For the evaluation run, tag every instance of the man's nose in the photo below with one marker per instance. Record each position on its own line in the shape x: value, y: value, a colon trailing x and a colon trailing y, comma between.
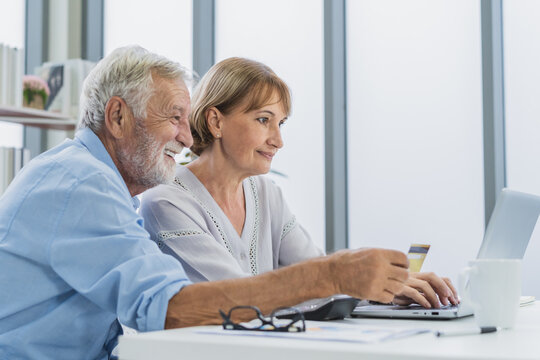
x: 184, y: 133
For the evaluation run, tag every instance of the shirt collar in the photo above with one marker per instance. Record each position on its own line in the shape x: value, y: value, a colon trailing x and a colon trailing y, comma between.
x: 94, y: 145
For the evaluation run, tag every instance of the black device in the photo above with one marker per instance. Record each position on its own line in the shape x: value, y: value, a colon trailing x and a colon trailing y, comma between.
x: 330, y: 308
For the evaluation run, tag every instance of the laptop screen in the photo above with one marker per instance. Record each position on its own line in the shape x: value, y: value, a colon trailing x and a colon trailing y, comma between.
x: 511, y: 225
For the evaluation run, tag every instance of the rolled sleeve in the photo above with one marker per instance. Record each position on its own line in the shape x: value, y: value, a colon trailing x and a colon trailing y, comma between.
x: 102, y: 251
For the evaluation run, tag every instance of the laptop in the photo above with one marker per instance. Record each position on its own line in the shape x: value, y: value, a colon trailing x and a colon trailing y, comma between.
x: 507, y: 236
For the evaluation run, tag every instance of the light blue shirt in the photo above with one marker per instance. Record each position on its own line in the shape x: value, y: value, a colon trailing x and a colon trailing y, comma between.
x: 75, y: 257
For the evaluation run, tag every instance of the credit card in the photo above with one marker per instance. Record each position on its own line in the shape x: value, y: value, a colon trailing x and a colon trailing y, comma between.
x: 417, y: 254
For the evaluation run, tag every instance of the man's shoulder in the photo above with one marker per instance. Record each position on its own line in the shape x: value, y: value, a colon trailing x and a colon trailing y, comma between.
x: 72, y: 159
x: 65, y: 168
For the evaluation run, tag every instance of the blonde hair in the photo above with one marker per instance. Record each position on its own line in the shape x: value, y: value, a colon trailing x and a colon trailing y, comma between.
x: 229, y: 84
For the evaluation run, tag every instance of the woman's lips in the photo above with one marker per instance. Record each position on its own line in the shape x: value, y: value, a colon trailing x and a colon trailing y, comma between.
x: 268, y: 155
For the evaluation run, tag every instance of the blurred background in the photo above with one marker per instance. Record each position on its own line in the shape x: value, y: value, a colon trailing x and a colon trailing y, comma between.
x: 408, y: 118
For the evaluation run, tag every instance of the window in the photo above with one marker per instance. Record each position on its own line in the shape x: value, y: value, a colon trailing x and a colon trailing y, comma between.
x: 415, y: 153
x: 522, y: 94
x: 162, y: 26
x: 522, y: 111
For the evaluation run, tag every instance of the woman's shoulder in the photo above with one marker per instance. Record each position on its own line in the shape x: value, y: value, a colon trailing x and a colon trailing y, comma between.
x: 264, y: 182
x: 178, y: 191
x: 267, y: 190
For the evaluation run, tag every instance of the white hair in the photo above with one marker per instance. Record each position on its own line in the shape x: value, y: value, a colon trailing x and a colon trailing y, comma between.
x: 127, y: 73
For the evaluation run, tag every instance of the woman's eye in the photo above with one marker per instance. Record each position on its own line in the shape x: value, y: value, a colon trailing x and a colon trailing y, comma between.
x: 281, y: 123
x: 262, y: 120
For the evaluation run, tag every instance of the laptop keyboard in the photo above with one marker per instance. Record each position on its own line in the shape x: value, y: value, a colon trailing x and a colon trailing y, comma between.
x: 416, y: 306
x: 382, y: 306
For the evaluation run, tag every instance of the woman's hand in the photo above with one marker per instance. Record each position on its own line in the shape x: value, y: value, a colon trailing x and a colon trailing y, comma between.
x: 427, y: 290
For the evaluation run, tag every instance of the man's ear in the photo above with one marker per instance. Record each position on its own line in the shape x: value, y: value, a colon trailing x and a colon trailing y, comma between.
x: 117, y: 117
x: 214, y: 121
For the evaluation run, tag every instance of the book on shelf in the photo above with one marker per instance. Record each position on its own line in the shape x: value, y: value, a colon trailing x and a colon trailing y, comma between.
x: 65, y: 80
x: 18, y: 58
x: 11, y: 74
x: 12, y: 161
x: 3, y: 75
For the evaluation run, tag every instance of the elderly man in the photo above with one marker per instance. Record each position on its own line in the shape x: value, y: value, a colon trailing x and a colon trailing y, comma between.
x: 75, y: 258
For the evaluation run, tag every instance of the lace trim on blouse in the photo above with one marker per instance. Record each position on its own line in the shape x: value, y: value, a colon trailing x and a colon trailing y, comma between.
x: 165, y: 235
x: 288, y: 227
x: 255, y: 235
x: 214, y: 219
x: 254, y: 267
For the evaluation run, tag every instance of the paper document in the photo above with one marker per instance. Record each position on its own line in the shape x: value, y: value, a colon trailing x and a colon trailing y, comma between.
x: 330, y: 331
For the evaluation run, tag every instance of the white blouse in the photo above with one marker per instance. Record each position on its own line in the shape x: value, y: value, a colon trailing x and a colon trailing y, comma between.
x: 187, y: 223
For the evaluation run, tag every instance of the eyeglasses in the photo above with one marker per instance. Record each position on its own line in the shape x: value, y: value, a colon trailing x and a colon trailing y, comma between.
x: 294, y: 321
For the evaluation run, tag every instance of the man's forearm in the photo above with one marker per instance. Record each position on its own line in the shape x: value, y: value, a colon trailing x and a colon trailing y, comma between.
x: 198, y: 304
x: 375, y: 274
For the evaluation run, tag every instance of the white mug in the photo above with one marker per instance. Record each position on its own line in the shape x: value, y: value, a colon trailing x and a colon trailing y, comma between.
x: 492, y: 287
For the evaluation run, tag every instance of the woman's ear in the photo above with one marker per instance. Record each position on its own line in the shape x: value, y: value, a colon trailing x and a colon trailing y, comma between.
x: 117, y: 117
x: 214, y: 121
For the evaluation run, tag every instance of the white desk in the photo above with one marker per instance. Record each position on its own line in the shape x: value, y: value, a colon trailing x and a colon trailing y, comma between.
x: 522, y: 342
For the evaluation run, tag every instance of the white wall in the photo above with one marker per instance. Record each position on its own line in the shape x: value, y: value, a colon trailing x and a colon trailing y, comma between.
x: 12, y: 34
x: 415, y: 128
x: 162, y: 26
x: 287, y: 36
x: 522, y: 107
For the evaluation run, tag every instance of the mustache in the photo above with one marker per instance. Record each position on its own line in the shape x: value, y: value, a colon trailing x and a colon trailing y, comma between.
x: 174, y: 146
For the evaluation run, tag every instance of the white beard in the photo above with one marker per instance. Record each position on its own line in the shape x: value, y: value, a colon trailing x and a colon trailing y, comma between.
x: 146, y: 162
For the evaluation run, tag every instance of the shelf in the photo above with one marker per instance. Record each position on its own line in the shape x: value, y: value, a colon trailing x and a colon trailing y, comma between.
x: 38, y: 118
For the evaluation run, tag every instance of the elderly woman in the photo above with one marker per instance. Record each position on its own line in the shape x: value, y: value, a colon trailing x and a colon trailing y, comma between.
x: 221, y: 218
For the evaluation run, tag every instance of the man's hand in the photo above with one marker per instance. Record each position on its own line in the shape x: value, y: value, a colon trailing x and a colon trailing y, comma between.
x: 428, y: 290
x: 373, y: 274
